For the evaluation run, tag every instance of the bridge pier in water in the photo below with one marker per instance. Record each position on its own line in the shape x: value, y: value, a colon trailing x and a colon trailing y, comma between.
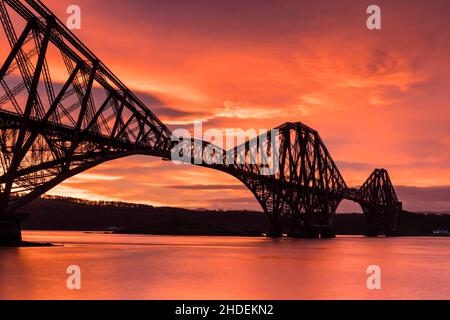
x: 275, y: 232
x: 328, y: 233
x: 10, y: 231
x: 304, y: 233
x: 307, y: 232
x: 381, y: 220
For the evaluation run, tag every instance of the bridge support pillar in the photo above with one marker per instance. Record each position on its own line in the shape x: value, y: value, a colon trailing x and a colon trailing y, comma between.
x: 276, y: 231
x: 381, y: 220
x: 304, y: 232
x: 392, y: 234
x: 328, y: 233
x: 313, y: 233
x: 10, y: 231
x: 371, y: 233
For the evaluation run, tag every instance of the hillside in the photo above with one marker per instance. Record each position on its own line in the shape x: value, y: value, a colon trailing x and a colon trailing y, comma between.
x: 59, y: 213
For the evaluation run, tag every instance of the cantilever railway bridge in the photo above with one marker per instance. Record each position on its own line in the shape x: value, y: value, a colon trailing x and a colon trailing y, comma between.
x: 52, y: 130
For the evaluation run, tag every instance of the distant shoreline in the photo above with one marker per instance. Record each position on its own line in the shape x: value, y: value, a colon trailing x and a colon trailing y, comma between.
x: 68, y: 214
x: 258, y: 235
x: 250, y: 235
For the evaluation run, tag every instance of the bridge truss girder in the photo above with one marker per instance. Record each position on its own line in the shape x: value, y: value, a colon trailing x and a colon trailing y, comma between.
x: 380, y: 204
x: 294, y: 179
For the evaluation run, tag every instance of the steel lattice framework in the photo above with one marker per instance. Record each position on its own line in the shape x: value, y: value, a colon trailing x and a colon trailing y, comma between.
x: 380, y: 203
x: 58, y: 120
x: 305, y: 186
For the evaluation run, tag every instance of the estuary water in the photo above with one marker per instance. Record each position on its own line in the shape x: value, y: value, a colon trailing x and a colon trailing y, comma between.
x: 187, y: 267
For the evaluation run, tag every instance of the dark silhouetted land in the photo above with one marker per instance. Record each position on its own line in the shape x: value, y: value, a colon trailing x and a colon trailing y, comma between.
x: 58, y: 213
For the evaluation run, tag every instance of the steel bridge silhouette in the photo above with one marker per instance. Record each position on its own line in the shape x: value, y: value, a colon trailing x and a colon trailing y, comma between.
x: 52, y: 130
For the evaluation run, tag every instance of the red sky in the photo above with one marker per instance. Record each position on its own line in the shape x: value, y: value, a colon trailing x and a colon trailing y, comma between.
x: 378, y: 98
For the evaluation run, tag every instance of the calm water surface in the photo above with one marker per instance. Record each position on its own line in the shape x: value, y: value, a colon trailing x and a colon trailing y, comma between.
x: 169, y: 267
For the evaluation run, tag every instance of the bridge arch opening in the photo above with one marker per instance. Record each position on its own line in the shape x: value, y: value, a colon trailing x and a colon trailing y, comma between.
x: 350, y: 218
x: 349, y: 207
x: 151, y: 181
